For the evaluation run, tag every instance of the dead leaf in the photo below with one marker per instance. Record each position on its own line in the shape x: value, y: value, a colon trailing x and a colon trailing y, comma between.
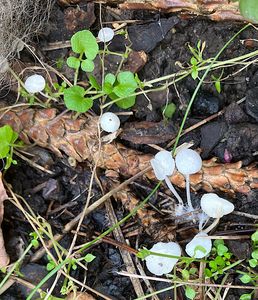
x: 4, y: 258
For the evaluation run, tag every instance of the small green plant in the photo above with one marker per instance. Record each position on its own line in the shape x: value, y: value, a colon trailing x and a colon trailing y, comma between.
x: 197, y: 58
x: 218, y: 260
x: 8, y: 139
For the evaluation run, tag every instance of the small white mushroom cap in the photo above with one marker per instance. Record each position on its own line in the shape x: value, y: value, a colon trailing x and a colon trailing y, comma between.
x: 216, y: 207
x: 35, y: 84
x: 106, y: 34
x: 199, y: 240
x: 109, y: 122
x: 188, y: 161
x: 163, y: 164
x: 163, y: 265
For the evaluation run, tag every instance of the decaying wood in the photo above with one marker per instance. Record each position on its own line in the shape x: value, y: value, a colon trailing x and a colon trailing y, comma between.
x: 79, y: 139
x: 217, y: 10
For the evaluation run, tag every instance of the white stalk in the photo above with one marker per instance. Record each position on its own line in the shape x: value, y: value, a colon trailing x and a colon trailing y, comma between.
x: 213, y: 224
x: 188, y: 194
x: 173, y: 190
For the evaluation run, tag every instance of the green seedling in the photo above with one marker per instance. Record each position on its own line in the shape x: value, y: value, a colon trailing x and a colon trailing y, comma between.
x: 220, y: 258
x: 85, y: 44
x: 8, y: 139
x: 197, y: 58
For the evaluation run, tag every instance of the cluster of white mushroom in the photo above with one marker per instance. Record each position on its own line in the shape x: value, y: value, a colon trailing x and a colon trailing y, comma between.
x: 187, y: 162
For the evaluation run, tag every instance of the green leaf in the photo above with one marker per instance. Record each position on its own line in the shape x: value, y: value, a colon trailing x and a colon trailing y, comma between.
x: 218, y: 86
x: 169, y: 110
x: 245, y: 297
x: 194, y: 72
x: 249, y: 9
x: 89, y: 257
x: 110, y: 78
x: 126, y: 84
x: 220, y: 261
x: 222, y: 249
x: 218, y: 242
x: 87, y: 65
x: 74, y: 99
x: 199, y: 248
x: 94, y: 83
x: 127, y: 102
x: 35, y: 243
x: 254, y: 236
x: 253, y: 262
x: 193, y: 61
x: 73, y: 62
x: 255, y: 254
x: 185, y: 274
x: 245, y: 278
x: 213, y: 265
x: 193, y: 271
x: 208, y: 273
x: 190, y: 293
x: 50, y: 266
x: 85, y: 42
x: 7, y: 137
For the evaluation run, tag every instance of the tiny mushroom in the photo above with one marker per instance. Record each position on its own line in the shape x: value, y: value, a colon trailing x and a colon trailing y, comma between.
x: 106, y: 34
x: 199, y: 246
x: 163, y: 166
x: 188, y: 162
x: 215, y: 207
x: 35, y: 84
x: 163, y: 265
x: 109, y: 122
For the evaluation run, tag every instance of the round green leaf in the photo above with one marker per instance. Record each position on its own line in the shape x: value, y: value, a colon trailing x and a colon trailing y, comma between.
x: 246, y: 297
x: 126, y: 103
x: 87, y: 65
x: 255, y: 254
x: 73, y: 62
x: 168, y: 112
x: 254, y: 236
x: 110, y: 78
x: 245, y: 278
x: 85, y: 42
x: 74, y: 99
x: 190, y: 293
x: 6, y: 137
x: 253, y: 262
x: 249, y: 9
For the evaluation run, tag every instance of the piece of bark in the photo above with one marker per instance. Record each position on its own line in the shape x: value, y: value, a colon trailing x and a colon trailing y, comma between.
x: 217, y: 10
x: 148, y: 132
x: 80, y: 296
x: 79, y: 140
x: 4, y: 258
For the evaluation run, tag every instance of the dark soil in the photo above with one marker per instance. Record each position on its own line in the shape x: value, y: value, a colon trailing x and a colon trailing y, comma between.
x: 231, y: 137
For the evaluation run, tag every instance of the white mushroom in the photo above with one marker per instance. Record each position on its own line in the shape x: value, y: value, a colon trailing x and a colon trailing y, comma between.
x: 109, y: 122
x: 163, y: 265
x: 35, y: 84
x: 163, y: 166
x: 106, y: 34
x: 215, y: 207
x: 188, y: 162
x: 199, y: 246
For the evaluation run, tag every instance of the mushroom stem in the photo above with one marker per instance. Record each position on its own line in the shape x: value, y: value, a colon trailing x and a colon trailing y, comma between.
x: 173, y: 190
x: 213, y: 224
x: 188, y: 194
